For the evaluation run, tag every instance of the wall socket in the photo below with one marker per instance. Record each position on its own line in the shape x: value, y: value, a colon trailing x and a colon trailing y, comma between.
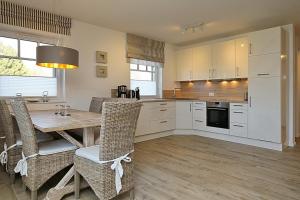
x: 211, y: 94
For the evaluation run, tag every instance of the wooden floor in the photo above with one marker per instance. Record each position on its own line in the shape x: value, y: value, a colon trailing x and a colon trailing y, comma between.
x: 196, y: 168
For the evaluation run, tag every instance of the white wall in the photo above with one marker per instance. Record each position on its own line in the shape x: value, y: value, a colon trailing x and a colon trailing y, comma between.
x: 82, y: 83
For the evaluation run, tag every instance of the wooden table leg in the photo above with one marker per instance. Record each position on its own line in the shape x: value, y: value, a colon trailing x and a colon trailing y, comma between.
x: 88, y: 137
x: 63, y: 188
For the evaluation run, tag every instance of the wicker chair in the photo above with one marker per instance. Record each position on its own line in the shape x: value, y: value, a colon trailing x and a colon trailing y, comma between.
x: 44, y: 159
x: 118, y: 125
x: 13, y: 139
x: 96, y: 107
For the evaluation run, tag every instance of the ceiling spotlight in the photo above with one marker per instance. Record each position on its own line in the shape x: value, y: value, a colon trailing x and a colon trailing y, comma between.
x: 193, y: 28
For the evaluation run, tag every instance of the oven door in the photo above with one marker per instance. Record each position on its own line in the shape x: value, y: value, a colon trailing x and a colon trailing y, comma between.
x: 218, y: 117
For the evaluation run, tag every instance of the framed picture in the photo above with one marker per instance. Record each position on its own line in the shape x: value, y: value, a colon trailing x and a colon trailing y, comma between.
x: 101, y: 57
x: 101, y: 71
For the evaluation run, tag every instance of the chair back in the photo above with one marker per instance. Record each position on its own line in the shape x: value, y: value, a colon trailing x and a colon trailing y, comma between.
x: 96, y: 103
x: 26, y: 127
x: 7, y: 126
x: 118, y: 125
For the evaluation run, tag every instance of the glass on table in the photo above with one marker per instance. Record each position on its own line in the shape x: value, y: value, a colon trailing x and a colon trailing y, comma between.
x: 67, y: 110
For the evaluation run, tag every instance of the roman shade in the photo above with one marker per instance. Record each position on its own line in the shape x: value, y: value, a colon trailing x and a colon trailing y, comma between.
x: 142, y: 48
x: 19, y: 15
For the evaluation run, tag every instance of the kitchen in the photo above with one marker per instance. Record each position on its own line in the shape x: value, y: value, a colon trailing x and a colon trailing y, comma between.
x: 217, y: 88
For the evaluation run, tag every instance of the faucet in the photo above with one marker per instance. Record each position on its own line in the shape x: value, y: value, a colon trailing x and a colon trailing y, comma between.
x: 174, y: 92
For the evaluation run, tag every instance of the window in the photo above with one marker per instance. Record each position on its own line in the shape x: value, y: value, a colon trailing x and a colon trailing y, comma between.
x: 146, y: 77
x: 18, y: 71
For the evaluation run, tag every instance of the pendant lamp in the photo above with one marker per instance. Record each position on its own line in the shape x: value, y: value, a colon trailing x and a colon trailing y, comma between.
x: 57, y: 57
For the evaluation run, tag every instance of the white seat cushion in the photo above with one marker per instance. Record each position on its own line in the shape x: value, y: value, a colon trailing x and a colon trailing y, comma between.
x: 55, y: 146
x: 40, y: 136
x: 91, y: 153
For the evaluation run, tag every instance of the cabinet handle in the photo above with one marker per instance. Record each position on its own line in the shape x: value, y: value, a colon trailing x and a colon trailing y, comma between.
x: 250, y: 101
x: 198, y: 109
x: 162, y: 110
x: 250, y: 48
x: 162, y: 122
x: 238, y: 105
x: 198, y: 121
x: 238, y: 112
x: 190, y: 107
x: 237, y: 71
x: 263, y: 74
x: 163, y: 104
x: 238, y: 126
x: 209, y: 73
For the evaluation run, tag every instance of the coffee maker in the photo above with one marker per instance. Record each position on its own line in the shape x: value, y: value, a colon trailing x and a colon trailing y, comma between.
x: 122, y: 91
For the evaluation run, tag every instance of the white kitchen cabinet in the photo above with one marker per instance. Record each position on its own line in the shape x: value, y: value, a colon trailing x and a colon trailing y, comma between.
x: 267, y: 65
x: 264, y: 121
x: 184, y: 115
x: 156, y: 117
x: 238, y: 119
x: 241, y: 57
x: 265, y: 41
x: 199, y: 115
x: 184, y: 63
x: 223, y: 60
x: 202, y: 62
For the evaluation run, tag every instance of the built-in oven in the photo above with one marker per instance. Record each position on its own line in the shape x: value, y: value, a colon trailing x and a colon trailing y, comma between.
x: 218, y: 114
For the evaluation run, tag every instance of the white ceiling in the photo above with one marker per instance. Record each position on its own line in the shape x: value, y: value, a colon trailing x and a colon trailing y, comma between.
x: 163, y: 19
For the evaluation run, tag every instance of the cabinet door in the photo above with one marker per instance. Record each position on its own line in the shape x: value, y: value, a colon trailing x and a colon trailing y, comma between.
x: 267, y: 65
x: 264, y: 113
x: 265, y: 41
x: 184, y: 115
x: 184, y: 62
x: 223, y: 60
x: 241, y: 57
x: 202, y: 63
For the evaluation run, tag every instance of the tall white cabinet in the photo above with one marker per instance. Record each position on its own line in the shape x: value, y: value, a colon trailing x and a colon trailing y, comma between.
x: 266, y: 86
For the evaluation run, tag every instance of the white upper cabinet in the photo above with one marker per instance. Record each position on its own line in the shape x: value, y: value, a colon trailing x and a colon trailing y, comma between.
x: 223, y: 62
x: 184, y: 61
x: 268, y: 65
x: 202, y: 62
x: 265, y: 41
x: 241, y: 57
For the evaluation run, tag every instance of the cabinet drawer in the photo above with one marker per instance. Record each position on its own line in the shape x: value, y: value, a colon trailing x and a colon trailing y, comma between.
x: 199, y: 124
x: 199, y: 104
x: 199, y: 113
x: 239, y: 116
x: 162, y: 125
x: 238, y: 106
x: 239, y: 130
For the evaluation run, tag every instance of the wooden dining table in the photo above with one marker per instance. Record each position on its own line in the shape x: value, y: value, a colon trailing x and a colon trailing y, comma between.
x: 47, y: 121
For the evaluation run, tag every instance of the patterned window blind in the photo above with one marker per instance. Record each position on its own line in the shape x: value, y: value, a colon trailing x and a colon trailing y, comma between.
x: 145, y: 49
x: 19, y: 15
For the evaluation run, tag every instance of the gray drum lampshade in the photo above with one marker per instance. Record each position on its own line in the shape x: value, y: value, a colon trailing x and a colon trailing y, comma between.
x: 57, y: 57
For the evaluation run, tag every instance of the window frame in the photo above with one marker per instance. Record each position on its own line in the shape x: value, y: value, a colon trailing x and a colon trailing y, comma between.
x: 154, y: 75
x: 58, y: 74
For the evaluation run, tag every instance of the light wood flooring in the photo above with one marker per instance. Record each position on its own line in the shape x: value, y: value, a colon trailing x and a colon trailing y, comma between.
x: 196, y: 168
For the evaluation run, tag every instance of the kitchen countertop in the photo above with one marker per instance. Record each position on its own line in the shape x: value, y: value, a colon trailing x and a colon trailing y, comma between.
x: 220, y: 99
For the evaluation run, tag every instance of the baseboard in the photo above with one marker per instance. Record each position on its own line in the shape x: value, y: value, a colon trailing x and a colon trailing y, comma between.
x: 153, y: 136
x: 230, y: 138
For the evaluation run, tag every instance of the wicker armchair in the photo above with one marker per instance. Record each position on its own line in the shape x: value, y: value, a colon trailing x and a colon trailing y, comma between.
x: 11, y: 131
x: 118, y: 125
x: 43, y: 159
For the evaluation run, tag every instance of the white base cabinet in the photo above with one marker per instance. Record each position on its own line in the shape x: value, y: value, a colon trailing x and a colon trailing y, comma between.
x: 199, y: 116
x: 184, y: 115
x: 156, y: 117
x: 238, y: 119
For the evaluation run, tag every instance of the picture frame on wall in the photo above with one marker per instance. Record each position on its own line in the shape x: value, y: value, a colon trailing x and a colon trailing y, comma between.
x: 101, y: 57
